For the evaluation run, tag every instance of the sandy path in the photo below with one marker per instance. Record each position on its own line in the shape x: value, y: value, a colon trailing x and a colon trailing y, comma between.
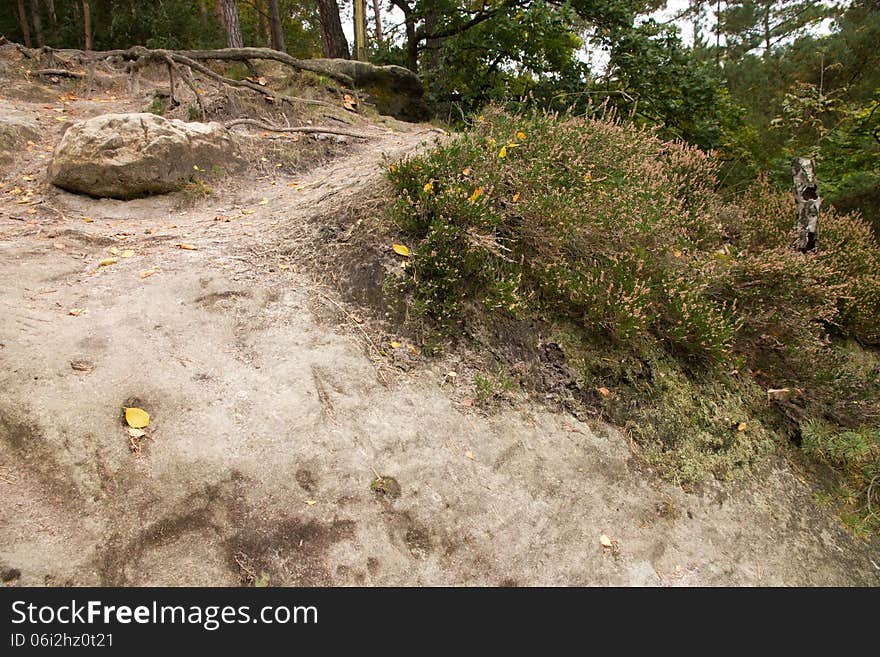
x: 269, y: 423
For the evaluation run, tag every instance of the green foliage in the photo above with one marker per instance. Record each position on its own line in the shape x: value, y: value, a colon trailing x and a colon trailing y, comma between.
x: 591, y: 221
x: 157, y: 107
x: 483, y: 388
x: 655, y: 80
x: 857, y: 454
x: 816, y: 95
x: 605, y: 228
x: 173, y: 24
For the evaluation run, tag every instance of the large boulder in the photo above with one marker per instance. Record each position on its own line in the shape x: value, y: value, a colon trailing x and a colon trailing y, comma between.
x: 130, y: 155
x: 396, y: 91
x: 16, y: 128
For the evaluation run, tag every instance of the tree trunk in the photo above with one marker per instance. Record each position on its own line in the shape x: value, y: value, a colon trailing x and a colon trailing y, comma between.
x: 87, y: 23
x: 275, y: 24
x: 432, y: 45
x: 23, y: 23
x: 262, y: 28
x: 806, y: 195
x: 377, y: 16
x: 359, y: 12
x: 412, y: 43
x: 38, y: 23
x: 233, y: 26
x: 332, y: 36
x: 53, y: 17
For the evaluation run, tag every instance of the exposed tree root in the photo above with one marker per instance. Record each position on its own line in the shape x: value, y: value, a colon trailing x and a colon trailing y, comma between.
x: 305, y: 129
x: 58, y: 72
x: 139, y: 56
x: 184, y: 63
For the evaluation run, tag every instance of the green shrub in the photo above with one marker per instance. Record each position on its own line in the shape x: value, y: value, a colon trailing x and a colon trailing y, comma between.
x: 857, y: 454
x: 566, y: 217
x: 619, y: 237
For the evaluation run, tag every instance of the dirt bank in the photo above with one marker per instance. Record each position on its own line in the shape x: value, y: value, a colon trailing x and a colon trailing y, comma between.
x: 270, y: 420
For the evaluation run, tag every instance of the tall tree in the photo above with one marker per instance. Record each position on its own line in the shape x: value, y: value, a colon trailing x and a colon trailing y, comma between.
x: 377, y: 17
x: 38, y: 23
x: 53, y: 17
x: 332, y: 36
x: 233, y: 25
x: 262, y: 27
x: 23, y: 22
x: 275, y: 25
x: 87, y: 23
x: 751, y: 24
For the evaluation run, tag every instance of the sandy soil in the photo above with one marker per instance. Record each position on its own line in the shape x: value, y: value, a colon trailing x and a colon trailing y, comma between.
x: 270, y: 420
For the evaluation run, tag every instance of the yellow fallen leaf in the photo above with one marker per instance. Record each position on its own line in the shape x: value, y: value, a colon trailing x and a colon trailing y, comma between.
x: 106, y: 262
x: 147, y: 272
x: 263, y: 201
x: 676, y: 253
x: 188, y: 247
x: 520, y: 135
x: 394, y: 344
x: 469, y: 454
x: 283, y: 266
x: 27, y: 177
x: 466, y: 171
x: 392, y: 168
x: 400, y: 249
x: 114, y: 250
x: 137, y: 418
x: 88, y: 220
x: 503, y: 152
x: 605, y: 541
x: 516, y: 197
x: 477, y: 192
x: 76, y: 312
x: 429, y: 187
x: 311, y: 502
x: 126, y: 254
x: 742, y: 426
x: 247, y: 211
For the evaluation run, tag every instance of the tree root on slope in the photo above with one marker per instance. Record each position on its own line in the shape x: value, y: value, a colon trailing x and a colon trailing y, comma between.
x: 184, y: 63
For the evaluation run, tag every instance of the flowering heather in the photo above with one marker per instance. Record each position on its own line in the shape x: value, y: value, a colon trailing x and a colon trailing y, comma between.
x: 605, y: 227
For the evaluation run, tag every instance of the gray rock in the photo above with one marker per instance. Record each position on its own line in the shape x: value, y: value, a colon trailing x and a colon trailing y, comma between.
x: 396, y: 91
x: 130, y: 155
x: 16, y: 128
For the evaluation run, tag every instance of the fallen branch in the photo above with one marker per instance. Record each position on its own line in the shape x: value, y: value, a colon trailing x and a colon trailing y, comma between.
x: 304, y: 129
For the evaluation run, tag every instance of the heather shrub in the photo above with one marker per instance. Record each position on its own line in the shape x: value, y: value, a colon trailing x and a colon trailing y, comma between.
x: 681, y: 307
x: 567, y: 217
